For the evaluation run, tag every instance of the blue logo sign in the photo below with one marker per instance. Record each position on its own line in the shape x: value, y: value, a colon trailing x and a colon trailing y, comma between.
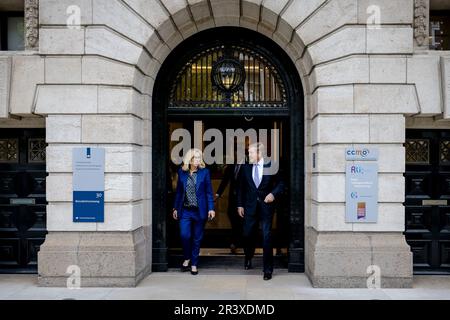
x: 88, y: 206
x: 88, y: 184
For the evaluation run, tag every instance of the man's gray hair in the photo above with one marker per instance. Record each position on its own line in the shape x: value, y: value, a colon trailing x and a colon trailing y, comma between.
x: 258, y: 146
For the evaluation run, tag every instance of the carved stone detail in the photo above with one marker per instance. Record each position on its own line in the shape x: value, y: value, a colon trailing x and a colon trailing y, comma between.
x: 31, y: 24
x: 421, y: 22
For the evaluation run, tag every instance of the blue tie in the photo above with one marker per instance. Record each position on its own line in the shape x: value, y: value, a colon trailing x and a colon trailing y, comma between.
x: 256, y: 178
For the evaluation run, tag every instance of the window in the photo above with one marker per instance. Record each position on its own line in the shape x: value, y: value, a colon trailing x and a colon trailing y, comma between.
x: 262, y: 88
x: 36, y: 150
x: 444, y: 152
x: 440, y: 30
x: 9, y: 150
x: 12, y: 32
x: 417, y: 151
x: 439, y: 26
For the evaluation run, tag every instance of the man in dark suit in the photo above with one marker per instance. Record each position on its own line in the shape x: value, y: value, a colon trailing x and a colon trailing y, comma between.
x: 258, y: 188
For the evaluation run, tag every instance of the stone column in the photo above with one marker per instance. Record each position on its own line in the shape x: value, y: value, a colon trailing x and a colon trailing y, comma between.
x: 341, y: 254
x: 116, y: 252
x: 360, y: 96
x: 94, y: 95
x: 116, y: 118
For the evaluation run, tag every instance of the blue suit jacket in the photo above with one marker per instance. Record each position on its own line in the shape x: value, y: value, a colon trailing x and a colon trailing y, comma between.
x: 205, y: 197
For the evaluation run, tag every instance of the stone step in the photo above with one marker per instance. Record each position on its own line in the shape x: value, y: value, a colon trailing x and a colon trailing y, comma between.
x: 228, y: 261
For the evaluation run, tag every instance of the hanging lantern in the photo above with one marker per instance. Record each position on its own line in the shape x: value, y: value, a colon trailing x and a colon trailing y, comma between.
x: 228, y: 74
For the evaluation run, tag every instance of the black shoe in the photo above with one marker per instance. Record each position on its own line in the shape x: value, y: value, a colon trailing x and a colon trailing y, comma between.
x: 194, y: 273
x: 267, y: 276
x: 185, y: 268
x: 248, y: 264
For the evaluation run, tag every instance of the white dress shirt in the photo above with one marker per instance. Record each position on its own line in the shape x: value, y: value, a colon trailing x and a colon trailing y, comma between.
x: 260, y: 170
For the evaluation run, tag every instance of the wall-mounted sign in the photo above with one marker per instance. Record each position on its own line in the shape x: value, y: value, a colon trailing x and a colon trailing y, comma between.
x: 88, y: 184
x: 361, y: 192
x: 361, y: 154
x: 361, y: 184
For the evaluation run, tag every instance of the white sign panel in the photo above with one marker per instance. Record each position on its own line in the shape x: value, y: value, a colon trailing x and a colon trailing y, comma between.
x: 361, y: 192
x: 88, y: 184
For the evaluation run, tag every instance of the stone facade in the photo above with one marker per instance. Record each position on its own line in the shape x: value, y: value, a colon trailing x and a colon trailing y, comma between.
x: 93, y: 84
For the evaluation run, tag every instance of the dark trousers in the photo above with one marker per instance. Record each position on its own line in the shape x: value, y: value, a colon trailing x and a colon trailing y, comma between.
x: 251, y: 226
x: 235, y: 221
x: 191, y: 231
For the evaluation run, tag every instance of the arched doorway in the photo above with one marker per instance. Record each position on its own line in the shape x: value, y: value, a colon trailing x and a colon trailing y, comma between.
x: 271, y: 97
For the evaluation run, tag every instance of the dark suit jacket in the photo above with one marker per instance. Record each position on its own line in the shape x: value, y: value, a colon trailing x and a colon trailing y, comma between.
x: 248, y: 195
x: 205, y: 197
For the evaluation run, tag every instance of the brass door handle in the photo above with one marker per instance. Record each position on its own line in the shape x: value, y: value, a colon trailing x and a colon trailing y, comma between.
x: 22, y: 201
x: 434, y: 202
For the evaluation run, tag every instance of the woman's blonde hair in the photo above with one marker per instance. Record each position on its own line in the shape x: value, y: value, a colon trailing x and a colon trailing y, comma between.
x: 188, y: 157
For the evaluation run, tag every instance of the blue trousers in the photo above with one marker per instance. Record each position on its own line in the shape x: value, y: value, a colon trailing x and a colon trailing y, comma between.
x: 191, y: 229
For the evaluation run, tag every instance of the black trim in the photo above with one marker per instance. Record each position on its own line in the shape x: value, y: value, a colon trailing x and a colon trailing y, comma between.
x: 289, y: 75
x: 4, y: 15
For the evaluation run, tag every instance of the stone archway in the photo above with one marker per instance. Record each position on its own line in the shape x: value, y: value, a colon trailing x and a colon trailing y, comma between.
x: 170, y: 34
x: 254, y: 44
x: 117, y: 53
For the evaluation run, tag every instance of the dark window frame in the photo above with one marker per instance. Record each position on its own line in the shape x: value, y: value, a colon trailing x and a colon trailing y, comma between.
x: 4, y: 15
x: 440, y: 13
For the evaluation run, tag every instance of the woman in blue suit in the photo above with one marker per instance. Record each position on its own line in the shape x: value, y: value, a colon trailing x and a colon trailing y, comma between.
x: 194, y: 204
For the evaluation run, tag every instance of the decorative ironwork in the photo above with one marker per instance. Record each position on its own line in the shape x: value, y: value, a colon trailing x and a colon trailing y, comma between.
x: 36, y: 150
x: 417, y: 151
x: 9, y: 150
x: 444, y: 152
x: 201, y: 83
